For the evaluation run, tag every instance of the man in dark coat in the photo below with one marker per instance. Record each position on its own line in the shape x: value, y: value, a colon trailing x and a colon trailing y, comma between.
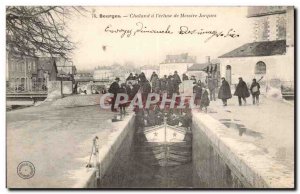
x: 177, y: 81
x: 197, y: 90
x: 155, y: 84
x: 130, y: 77
x: 242, y: 91
x: 114, y: 89
x: 224, y: 91
x: 129, y: 88
x: 142, y: 77
x: 184, y: 77
x: 153, y: 75
x: 170, y: 86
x: 163, y: 84
x: 204, y: 99
x: 145, y: 89
x: 212, y: 85
x: 134, y: 90
x: 254, y: 89
x: 193, y: 78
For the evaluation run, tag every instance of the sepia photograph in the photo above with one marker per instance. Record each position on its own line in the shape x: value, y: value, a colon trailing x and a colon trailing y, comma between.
x: 150, y: 97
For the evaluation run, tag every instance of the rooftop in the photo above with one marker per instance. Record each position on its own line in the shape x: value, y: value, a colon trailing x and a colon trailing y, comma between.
x: 266, y: 48
x: 199, y: 66
x: 181, y: 58
x: 258, y: 11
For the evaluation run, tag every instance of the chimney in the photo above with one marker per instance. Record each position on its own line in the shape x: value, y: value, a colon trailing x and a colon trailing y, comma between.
x: 208, y: 59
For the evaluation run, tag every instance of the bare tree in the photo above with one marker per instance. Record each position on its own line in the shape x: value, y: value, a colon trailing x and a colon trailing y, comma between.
x: 39, y: 30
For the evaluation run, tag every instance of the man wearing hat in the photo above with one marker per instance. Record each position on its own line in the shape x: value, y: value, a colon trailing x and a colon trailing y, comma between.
x: 153, y: 75
x: 224, y: 91
x: 212, y: 85
x: 242, y: 91
x: 163, y: 84
x: 193, y: 78
x: 177, y: 81
x: 114, y: 88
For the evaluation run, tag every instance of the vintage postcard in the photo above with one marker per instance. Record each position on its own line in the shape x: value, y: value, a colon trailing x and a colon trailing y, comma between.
x: 150, y: 97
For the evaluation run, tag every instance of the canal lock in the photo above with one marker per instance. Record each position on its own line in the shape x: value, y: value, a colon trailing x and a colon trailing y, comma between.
x: 205, y: 170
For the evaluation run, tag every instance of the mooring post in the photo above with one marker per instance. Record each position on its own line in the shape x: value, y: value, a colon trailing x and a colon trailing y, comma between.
x: 97, y: 166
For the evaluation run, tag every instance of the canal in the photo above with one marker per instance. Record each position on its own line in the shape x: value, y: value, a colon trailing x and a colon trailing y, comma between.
x: 205, y: 168
x: 130, y: 170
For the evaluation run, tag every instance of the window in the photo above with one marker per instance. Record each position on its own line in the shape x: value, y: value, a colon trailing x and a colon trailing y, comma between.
x: 281, y: 27
x: 260, y: 68
x: 29, y: 66
x: 22, y: 65
x: 228, y: 67
x: 228, y: 74
x: 262, y: 29
x: 265, y: 31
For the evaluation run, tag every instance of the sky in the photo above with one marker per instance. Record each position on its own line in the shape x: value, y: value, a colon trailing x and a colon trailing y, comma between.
x: 151, y: 48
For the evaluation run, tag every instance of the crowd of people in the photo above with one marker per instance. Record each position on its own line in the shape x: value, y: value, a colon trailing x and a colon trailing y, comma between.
x: 156, y: 116
x: 204, y: 92
x: 139, y: 82
x: 169, y: 84
x: 241, y: 91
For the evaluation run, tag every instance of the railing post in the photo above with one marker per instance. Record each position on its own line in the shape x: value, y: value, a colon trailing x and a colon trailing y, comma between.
x: 95, y: 153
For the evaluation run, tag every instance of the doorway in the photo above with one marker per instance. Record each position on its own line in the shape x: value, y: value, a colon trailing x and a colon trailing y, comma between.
x: 228, y: 74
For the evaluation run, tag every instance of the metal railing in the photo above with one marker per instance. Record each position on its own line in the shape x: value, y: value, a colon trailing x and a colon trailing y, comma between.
x: 20, y: 88
x: 94, y: 159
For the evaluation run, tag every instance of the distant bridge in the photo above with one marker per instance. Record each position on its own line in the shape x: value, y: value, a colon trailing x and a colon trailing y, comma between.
x: 25, y: 98
x: 27, y: 95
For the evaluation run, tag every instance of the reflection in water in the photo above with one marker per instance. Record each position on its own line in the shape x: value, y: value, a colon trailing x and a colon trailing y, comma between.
x: 240, y: 127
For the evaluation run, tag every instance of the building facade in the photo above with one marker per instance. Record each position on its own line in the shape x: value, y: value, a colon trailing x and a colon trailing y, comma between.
x: 66, y: 69
x: 270, y: 57
x: 21, y: 73
x: 103, y: 74
x: 202, y: 70
x: 26, y: 74
x: 180, y: 63
x: 83, y: 77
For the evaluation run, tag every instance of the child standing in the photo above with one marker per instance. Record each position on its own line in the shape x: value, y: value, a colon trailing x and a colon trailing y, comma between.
x: 204, y: 103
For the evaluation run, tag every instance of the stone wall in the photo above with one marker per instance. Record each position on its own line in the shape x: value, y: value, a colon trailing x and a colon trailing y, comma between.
x: 54, y: 89
x: 120, y: 163
x: 119, y: 143
x: 277, y: 67
x: 222, y: 159
x: 78, y: 100
x: 67, y: 87
x: 210, y: 170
